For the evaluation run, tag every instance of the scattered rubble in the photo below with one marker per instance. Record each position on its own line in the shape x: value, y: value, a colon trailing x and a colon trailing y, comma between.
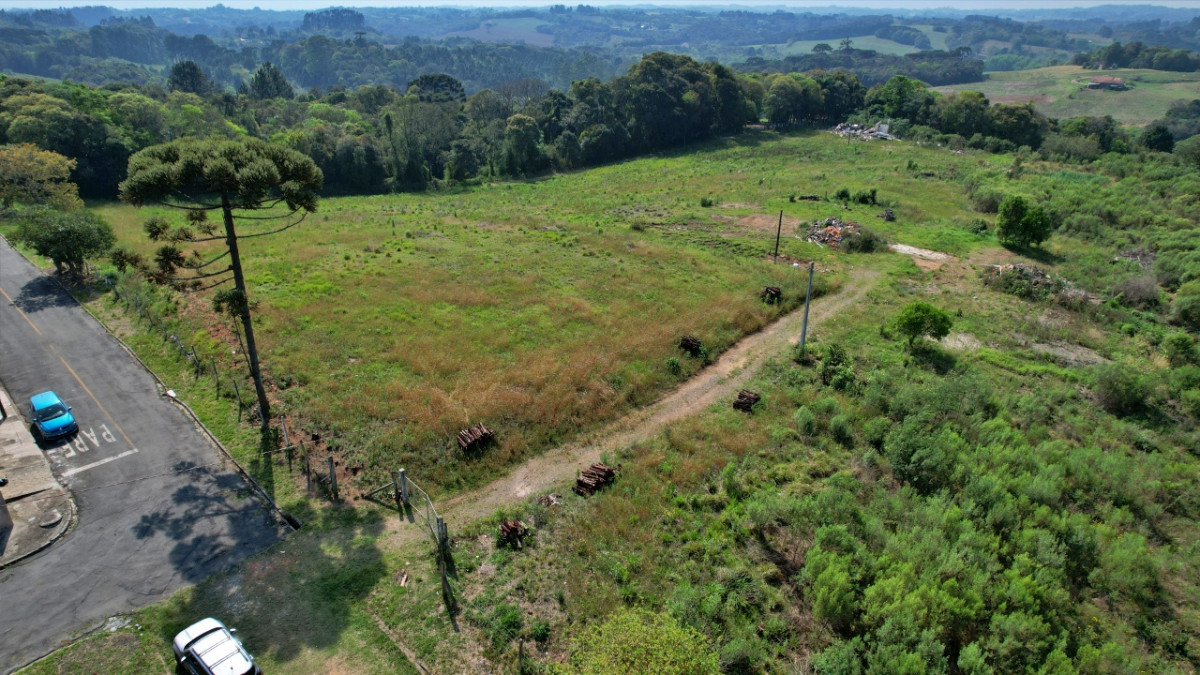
x: 1023, y: 280
x: 745, y: 401
x: 550, y: 499
x: 512, y: 532
x: 831, y: 231
x: 771, y: 295
x: 1144, y: 257
x: 865, y: 133
x: 593, y: 478
x: 475, y: 438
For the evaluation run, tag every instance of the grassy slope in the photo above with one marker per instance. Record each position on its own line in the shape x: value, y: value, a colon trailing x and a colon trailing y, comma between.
x: 674, y: 531
x: 1059, y: 92
x: 540, y: 308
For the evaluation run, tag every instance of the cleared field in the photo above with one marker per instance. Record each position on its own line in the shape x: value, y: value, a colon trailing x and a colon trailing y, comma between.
x: 509, y: 30
x: 1060, y: 91
x: 545, y: 308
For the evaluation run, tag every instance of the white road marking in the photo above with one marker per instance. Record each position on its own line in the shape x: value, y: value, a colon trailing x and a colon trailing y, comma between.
x: 106, y: 460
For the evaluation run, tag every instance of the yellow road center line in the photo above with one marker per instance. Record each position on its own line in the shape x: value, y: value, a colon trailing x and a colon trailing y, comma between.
x: 23, y: 315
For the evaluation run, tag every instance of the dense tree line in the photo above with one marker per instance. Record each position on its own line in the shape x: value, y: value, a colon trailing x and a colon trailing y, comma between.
x: 933, y: 67
x: 432, y: 129
x: 1138, y: 55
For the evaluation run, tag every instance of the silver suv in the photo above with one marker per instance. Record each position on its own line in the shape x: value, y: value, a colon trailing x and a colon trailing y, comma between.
x: 207, y: 647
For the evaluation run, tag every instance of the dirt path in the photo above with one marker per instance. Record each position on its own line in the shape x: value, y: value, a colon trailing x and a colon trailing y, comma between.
x: 721, y: 380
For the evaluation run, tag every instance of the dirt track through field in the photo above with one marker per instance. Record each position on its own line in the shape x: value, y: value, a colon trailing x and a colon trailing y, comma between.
x: 556, y: 469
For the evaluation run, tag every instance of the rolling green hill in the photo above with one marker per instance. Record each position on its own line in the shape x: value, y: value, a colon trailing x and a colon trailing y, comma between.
x: 1060, y: 91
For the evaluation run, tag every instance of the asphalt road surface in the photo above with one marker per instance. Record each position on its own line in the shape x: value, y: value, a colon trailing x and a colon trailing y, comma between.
x: 158, y: 508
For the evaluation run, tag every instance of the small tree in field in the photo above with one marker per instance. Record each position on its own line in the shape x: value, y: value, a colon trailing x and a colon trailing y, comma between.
x: 1020, y: 224
x: 250, y: 183
x: 919, y: 319
x: 68, y: 238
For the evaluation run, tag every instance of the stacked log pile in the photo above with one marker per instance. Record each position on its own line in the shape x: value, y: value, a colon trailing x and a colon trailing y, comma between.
x: 771, y: 294
x: 830, y: 231
x: 512, y: 532
x: 593, y: 478
x: 691, y: 345
x: 745, y: 401
x: 475, y: 438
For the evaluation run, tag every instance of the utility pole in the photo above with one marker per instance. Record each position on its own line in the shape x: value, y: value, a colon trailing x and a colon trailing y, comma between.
x: 807, y: 300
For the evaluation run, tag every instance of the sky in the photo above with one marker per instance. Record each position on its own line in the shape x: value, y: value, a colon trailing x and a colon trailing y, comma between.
x: 761, y: 4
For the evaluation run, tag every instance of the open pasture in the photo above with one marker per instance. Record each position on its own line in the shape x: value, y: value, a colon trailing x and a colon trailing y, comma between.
x: 545, y: 308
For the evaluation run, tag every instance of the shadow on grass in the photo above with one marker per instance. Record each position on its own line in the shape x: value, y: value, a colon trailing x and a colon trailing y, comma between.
x: 929, y: 355
x: 301, y: 596
x: 1035, y: 253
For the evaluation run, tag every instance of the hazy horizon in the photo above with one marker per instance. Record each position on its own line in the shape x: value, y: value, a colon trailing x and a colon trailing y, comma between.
x: 285, y: 5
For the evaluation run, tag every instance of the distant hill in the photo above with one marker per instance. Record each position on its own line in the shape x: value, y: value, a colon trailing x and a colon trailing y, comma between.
x: 1060, y: 91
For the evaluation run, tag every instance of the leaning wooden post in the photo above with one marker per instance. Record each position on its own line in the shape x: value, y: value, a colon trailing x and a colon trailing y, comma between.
x: 333, y: 479
x: 778, y: 232
x: 807, y: 300
x: 216, y: 378
x: 287, y: 444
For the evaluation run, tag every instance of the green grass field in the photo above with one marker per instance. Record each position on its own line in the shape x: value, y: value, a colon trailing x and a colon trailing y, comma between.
x: 1060, y: 91
x: 956, y: 484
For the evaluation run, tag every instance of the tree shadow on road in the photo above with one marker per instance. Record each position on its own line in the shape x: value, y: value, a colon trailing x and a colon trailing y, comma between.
x: 214, y: 521
x: 42, y: 293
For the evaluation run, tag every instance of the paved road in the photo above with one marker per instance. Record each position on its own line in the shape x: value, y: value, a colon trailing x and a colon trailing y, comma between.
x: 150, y: 521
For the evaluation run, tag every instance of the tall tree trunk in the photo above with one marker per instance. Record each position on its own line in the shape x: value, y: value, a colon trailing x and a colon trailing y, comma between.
x: 239, y: 282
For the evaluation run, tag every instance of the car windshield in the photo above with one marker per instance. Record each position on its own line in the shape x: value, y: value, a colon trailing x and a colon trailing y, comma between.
x: 51, y: 412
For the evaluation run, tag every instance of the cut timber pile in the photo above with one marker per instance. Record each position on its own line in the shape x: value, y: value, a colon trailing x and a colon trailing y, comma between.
x: 690, y: 344
x: 512, y: 532
x: 830, y: 231
x: 474, y: 438
x: 593, y: 478
x: 745, y: 401
x: 771, y: 294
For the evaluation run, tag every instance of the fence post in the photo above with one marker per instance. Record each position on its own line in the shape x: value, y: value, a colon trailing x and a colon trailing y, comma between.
x: 333, y: 479
x: 216, y: 378
x: 237, y: 392
x: 287, y: 444
x: 304, y: 462
x: 401, y: 489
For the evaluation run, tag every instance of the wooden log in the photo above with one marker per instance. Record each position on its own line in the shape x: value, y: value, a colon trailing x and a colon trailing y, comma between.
x: 745, y: 401
x: 691, y: 345
x: 771, y: 294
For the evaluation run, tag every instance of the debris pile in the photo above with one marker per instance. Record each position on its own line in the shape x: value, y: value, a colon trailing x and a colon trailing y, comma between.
x: 593, y: 478
x: 745, y: 401
x: 511, y: 533
x: 475, y: 438
x: 1144, y: 257
x: 831, y: 231
x: 888, y: 215
x: 1022, y: 280
x: 691, y: 344
x: 864, y: 133
x: 550, y: 499
x: 771, y: 294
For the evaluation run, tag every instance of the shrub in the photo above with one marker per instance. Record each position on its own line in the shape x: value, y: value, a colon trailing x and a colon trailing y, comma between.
x: 706, y: 202
x: 1180, y: 349
x: 673, y: 366
x: 840, y: 429
x: 806, y: 421
x: 863, y: 240
x: 986, y: 200
x: 842, y: 195
x: 637, y: 642
x: 1140, y: 292
x: 1121, y: 389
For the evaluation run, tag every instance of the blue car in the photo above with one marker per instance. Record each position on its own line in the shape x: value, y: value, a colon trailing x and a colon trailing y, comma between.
x: 51, y: 417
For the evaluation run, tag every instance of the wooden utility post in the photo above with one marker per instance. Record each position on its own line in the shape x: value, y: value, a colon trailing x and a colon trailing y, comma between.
x: 807, y: 301
x: 778, y: 233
